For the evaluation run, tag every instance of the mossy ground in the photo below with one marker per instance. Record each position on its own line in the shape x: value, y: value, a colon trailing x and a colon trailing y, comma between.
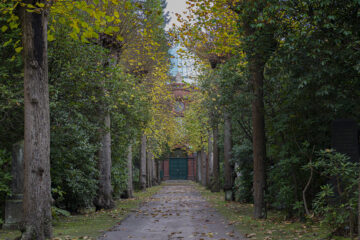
x: 275, y: 227
x: 92, y: 225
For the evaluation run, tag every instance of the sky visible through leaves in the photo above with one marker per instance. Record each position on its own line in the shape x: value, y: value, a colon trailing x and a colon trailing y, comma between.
x: 175, y: 6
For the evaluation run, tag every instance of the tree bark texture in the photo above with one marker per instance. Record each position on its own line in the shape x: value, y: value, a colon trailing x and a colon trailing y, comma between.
x: 203, y: 167
x: 259, y: 147
x: 228, y: 166
x: 130, y: 187
x: 215, y: 185
x: 37, y: 181
x: 104, y: 198
x: 143, y: 163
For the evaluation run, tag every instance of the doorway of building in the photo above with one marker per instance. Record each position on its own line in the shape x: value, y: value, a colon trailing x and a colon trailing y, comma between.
x: 178, y: 168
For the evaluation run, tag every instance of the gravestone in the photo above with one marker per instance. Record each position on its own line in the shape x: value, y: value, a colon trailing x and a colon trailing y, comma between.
x: 345, y: 138
x: 13, y: 205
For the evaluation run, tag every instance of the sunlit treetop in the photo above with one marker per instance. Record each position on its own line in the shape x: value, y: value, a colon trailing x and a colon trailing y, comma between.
x: 87, y: 18
x: 208, y: 29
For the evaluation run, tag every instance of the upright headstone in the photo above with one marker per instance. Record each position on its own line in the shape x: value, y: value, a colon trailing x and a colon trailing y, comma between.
x: 13, y: 205
x: 345, y: 138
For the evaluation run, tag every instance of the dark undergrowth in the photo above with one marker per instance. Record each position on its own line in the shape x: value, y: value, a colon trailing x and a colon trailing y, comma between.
x: 92, y: 225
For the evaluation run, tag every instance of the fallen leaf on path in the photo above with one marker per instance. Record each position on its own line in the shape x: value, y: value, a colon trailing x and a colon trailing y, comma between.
x: 230, y: 234
x: 250, y: 235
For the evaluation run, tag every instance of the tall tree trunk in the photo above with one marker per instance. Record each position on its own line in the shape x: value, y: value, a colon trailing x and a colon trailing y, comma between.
x: 198, y: 166
x: 207, y: 171
x: 154, y: 171
x: 143, y: 162
x: 259, y: 147
x: 130, y: 187
x: 148, y: 170
x: 104, y: 198
x: 228, y: 166
x: 215, y: 186
x: 158, y: 167
x: 151, y: 169
x: 210, y: 160
x: 37, y: 181
x: 203, y: 167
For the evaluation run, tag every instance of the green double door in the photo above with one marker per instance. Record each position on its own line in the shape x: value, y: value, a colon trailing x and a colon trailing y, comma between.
x: 178, y: 168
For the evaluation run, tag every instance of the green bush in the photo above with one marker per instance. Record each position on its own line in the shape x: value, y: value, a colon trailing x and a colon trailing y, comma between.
x: 74, y: 78
x: 119, y: 178
x: 243, y: 186
x: 73, y: 163
x: 336, y: 203
x: 58, y: 212
x: 5, y: 179
x: 5, y: 174
x: 244, y: 182
x: 282, y: 192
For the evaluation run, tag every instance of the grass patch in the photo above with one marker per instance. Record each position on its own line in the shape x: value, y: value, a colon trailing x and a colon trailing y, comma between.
x: 92, y: 225
x: 275, y: 227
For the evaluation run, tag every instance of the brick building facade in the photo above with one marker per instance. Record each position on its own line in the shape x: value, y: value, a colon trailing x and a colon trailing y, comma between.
x: 179, y: 164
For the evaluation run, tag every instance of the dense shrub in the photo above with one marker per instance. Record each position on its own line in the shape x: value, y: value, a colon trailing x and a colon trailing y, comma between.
x: 337, y: 201
x: 73, y: 162
x: 5, y: 179
x: 74, y: 77
x: 119, y: 178
x: 282, y: 184
x: 244, y: 181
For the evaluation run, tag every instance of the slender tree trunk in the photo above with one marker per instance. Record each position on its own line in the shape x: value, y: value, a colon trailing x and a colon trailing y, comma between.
x: 207, y: 171
x: 215, y: 186
x: 154, y: 171
x: 148, y: 169
x: 151, y: 169
x: 143, y: 162
x: 37, y: 181
x: 158, y: 167
x: 104, y: 198
x: 198, y: 166
x: 259, y: 147
x: 130, y: 187
x: 203, y: 167
x: 210, y: 160
x: 228, y: 166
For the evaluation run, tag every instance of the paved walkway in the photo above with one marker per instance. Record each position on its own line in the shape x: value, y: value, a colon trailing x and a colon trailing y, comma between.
x: 178, y: 211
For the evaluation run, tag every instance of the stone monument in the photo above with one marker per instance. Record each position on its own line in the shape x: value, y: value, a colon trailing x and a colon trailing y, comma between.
x: 13, y: 205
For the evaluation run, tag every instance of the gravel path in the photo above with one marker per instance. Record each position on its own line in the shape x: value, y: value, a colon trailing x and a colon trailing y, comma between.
x: 178, y: 211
